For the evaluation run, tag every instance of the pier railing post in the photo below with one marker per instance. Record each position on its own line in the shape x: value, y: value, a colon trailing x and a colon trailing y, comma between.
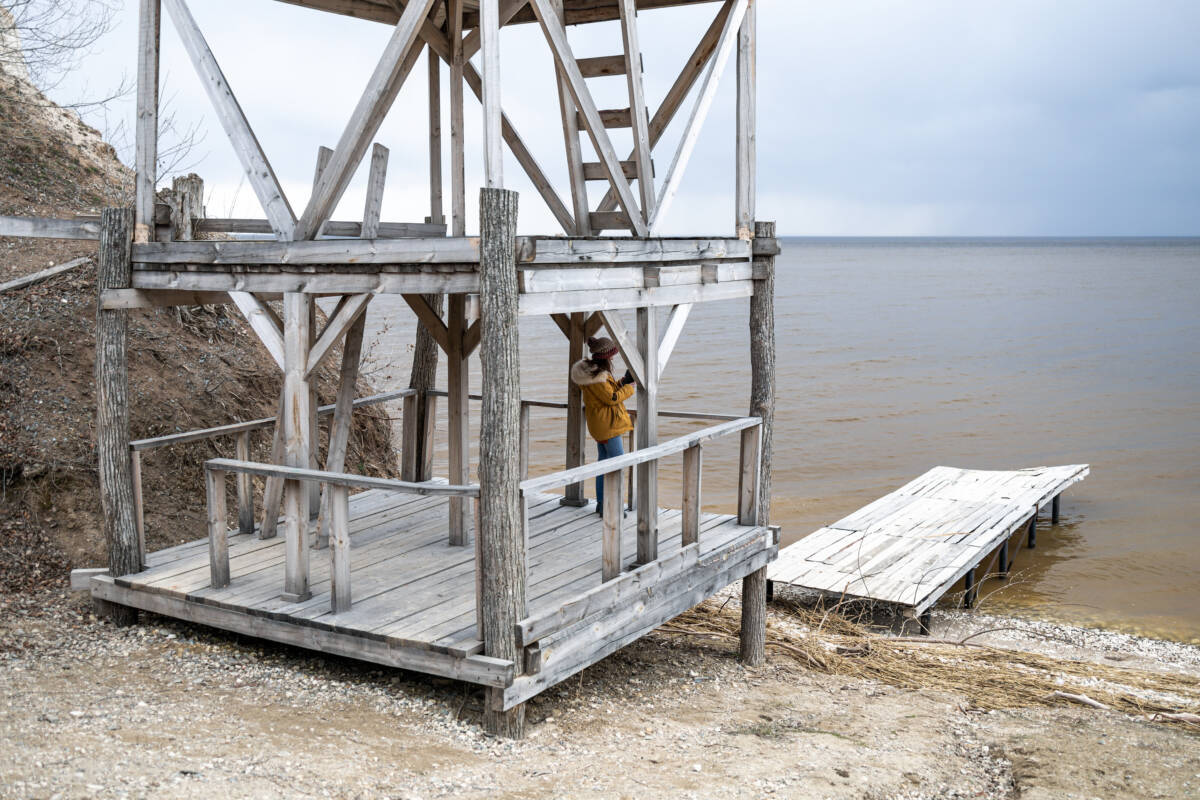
x: 218, y: 531
x: 114, y: 271
x: 501, y: 517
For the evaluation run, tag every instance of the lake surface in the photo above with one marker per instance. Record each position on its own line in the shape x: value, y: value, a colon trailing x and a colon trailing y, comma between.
x: 896, y: 355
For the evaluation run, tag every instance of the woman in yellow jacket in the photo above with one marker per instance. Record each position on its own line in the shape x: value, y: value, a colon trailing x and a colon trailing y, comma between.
x: 604, y: 403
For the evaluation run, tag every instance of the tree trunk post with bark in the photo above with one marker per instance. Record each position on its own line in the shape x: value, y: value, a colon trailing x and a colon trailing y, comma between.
x: 762, y: 404
x: 501, y: 519
x: 114, y: 271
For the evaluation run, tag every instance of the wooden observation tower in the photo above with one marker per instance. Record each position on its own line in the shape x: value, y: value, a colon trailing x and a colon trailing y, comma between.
x: 505, y: 579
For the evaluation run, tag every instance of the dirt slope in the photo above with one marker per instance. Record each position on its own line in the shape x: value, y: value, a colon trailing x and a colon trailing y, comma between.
x: 190, y: 368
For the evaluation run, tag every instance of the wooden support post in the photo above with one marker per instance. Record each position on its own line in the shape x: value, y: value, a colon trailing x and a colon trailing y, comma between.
x: 969, y: 589
x: 139, y: 509
x: 146, y: 132
x: 218, y: 531
x: 458, y: 191
x: 501, y: 517
x: 339, y: 429
x: 692, y: 458
x: 1031, y: 541
x: 611, y: 545
x: 245, y: 487
x: 339, y: 549
x: 647, y: 436
x: 313, y: 489
x: 638, y: 116
x: 459, y: 412
x: 746, y: 148
x: 762, y: 405
x: 1004, y: 563
x: 570, y: 125
x: 1054, y: 509
x: 576, y: 423
x: 114, y: 271
x: 748, y: 473
x: 489, y: 40
x: 525, y: 433
x: 297, y: 441
x: 273, y: 486
x: 419, y: 408
x: 435, y: 138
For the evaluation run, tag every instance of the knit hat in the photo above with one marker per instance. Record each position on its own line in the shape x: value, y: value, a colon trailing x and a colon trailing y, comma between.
x: 602, y: 347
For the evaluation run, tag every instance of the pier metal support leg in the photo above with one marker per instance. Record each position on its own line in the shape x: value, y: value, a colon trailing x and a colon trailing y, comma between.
x: 1054, y: 509
x: 969, y: 589
x: 114, y: 271
x: 1031, y: 540
x: 501, y: 515
x: 1004, y: 562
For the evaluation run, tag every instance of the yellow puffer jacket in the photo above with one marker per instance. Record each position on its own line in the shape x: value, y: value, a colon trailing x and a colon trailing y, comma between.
x: 603, y: 401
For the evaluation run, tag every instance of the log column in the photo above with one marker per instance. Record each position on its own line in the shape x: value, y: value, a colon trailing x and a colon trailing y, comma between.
x: 113, y: 271
x: 647, y: 436
x: 762, y: 404
x: 501, y: 521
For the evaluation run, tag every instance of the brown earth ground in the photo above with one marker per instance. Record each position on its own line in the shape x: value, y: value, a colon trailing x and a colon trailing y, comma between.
x: 166, y: 709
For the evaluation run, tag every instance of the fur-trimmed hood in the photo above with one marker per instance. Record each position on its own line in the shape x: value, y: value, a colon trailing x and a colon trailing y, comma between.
x: 582, y: 373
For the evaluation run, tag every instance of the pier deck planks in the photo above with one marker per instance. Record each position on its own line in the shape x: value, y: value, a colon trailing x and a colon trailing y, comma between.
x: 909, y: 547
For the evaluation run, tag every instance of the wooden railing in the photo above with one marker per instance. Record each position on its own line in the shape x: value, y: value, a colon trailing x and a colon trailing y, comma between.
x: 750, y: 429
x: 338, y: 483
x: 241, y: 431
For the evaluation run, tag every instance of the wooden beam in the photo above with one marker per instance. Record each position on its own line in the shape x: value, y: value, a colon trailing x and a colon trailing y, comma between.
x: 458, y: 62
x: 746, y: 147
x: 489, y: 46
x: 675, y: 323
x: 375, y: 185
x: 680, y: 89
x: 297, y: 443
x: 28, y: 280
x: 692, y: 499
x: 691, y: 134
x: 647, y: 435
x: 339, y: 428
x: 458, y: 409
x: 430, y: 318
x: 570, y: 125
x: 435, y: 138
x: 326, y: 251
x: 45, y: 228
x: 508, y: 9
x: 262, y: 322
x: 563, y: 321
x: 254, y: 161
x: 471, y: 338
x: 137, y: 298
x: 637, y: 106
x: 630, y: 351
x: 349, y: 313
x: 576, y: 419
x: 146, y: 126
x: 218, y: 531
x: 398, y: 59
x: 348, y: 228
x: 610, y: 547
x: 557, y: 38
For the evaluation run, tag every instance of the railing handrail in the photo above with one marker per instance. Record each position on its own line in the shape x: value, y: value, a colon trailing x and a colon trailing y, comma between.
x: 339, y: 478
x: 577, y: 474
x: 563, y: 407
x: 254, y: 424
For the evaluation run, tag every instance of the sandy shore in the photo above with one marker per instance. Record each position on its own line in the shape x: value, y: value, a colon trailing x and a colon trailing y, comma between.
x: 166, y: 709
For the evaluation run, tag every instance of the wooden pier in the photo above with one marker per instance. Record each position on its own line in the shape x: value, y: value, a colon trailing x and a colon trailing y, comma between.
x: 908, y: 548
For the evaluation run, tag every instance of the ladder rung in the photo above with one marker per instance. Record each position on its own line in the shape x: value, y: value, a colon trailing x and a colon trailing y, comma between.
x: 594, y: 170
x: 602, y: 65
x: 609, y: 221
x: 610, y: 117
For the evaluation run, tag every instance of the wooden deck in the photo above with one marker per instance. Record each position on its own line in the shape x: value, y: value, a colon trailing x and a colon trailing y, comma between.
x: 414, y: 594
x: 909, y: 547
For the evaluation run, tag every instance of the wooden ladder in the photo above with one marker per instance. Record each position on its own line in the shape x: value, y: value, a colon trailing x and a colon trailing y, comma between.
x: 635, y: 116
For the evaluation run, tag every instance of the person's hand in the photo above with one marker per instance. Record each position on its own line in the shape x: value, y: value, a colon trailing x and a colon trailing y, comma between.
x: 627, y: 378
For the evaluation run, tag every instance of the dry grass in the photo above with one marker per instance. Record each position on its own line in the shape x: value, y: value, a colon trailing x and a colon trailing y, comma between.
x: 988, y: 677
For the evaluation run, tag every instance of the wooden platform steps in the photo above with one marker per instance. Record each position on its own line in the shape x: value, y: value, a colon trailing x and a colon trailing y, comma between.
x: 909, y: 547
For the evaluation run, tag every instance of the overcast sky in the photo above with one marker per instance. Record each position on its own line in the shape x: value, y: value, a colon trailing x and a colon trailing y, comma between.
x: 934, y: 117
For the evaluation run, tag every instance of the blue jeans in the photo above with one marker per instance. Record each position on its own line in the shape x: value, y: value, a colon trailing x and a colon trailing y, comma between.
x: 610, y: 449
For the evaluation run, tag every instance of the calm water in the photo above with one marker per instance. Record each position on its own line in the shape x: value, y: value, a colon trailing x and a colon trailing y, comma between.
x: 895, y: 355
